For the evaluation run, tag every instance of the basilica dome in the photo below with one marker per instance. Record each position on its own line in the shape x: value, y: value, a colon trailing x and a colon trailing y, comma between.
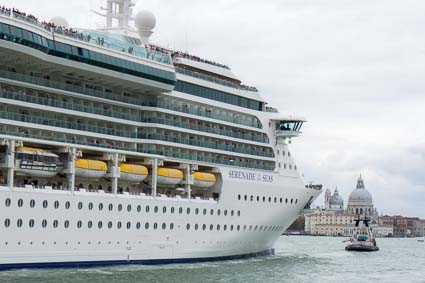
x: 336, y: 199
x: 360, y: 195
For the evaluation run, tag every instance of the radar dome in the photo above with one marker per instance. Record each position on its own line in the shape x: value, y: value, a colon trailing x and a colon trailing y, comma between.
x: 60, y: 22
x: 145, y: 21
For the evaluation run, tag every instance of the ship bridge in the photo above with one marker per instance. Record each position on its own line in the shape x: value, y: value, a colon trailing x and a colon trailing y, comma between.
x: 287, y: 126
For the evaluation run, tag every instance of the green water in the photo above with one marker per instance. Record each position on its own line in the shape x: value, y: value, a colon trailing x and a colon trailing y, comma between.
x: 297, y: 259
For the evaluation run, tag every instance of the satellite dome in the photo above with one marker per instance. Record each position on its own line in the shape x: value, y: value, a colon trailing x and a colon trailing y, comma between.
x: 360, y: 194
x: 145, y: 21
x: 60, y: 22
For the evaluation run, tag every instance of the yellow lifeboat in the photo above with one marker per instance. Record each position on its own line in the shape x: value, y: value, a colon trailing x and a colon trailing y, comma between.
x: 203, y: 180
x: 168, y: 176
x: 133, y: 173
x: 92, y: 169
x: 36, y: 162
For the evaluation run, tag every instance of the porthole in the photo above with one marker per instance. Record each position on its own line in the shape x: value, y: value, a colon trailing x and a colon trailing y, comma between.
x: 275, y: 200
x: 211, y: 227
x: 56, y: 204
x: 67, y: 205
x: 44, y: 223
x: 32, y: 203
x: 225, y: 227
x: 252, y: 198
x: 196, y: 227
x: 7, y: 222
x: 292, y: 201
x: 245, y: 197
x: 80, y: 205
x: 90, y: 206
x: 256, y: 228
x: 180, y: 210
x: 128, y: 225
x: 250, y: 228
x: 20, y: 203
x: 270, y: 199
x: 231, y: 227
x: 239, y: 213
x: 110, y: 224
x: 155, y: 209
x: 99, y: 224
x: 187, y: 226
x: 100, y: 206
x: 296, y: 201
x: 147, y: 209
x: 204, y: 227
x: 19, y: 223
x: 261, y: 228
x: 66, y: 224
x: 7, y: 202
x: 188, y: 210
x: 232, y: 213
x: 212, y: 211
x: 171, y: 226
x: 239, y: 197
x: 264, y: 199
x: 55, y: 224
x: 280, y: 200
x: 79, y: 224
x: 218, y: 227
x: 90, y: 224
x: 286, y: 200
x: 110, y: 207
x: 244, y: 227
x: 119, y: 224
x: 238, y: 227
x: 218, y: 212
x: 258, y: 198
x: 164, y: 209
x: 204, y: 211
x: 129, y: 208
x: 172, y: 210
x: 31, y: 223
x: 225, y: 212
x: 139, y: 208
x: 120, y: 207
x: 138, y: 225
x: 155, y: 226
x: 197, y: 211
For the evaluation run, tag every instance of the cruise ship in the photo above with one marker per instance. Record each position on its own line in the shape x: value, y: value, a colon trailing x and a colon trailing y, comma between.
x: 114, y: 150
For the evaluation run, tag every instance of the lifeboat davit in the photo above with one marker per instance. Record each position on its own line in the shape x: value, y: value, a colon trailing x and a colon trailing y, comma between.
x: 168, y: 176
x: 36, y: 162
x: 133, y: 173
x: 203, y: 180
x: 91, y: 169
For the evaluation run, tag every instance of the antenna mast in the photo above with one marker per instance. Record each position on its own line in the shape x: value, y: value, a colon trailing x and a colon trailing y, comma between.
x: 120, y: 10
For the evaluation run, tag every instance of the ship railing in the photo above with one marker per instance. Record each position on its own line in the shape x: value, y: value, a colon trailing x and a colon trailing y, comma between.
x: 125, y: 99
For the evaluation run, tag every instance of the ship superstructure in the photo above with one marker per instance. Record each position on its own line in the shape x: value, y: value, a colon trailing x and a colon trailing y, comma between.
x: 115, y: 150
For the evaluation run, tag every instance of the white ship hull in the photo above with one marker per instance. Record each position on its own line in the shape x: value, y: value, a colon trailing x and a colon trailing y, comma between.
x: 230, y: 237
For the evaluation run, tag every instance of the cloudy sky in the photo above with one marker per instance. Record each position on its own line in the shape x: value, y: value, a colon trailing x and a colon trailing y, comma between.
x: 355, y: 69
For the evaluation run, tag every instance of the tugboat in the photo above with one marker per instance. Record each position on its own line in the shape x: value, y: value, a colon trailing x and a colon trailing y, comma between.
x: 362, y: 239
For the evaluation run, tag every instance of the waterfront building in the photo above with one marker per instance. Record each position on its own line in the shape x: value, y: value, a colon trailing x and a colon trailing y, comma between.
x: 336, y: 220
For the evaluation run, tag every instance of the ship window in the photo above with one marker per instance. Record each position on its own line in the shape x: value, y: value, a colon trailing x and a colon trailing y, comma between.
x: 7, y: 222
x: 119, y: 224
x: 55, y: 224
x: 90, y: 224
x: 197, y: 211
x: 252, y: 198
x: 280, y: 200
x: 44, y: 223
x: 129, y: 208
x: 204, y: 227
x: 187, y: 226
x: 171, y: 226
x: 110, y: 224
x: 147, y: 209
x: 239, y: 213
x: 225, y: 212
x: 67, y: 205
x: 211, y: 227
x: 90, y: 206
x: 188, y: 210
x: 66, y: 223
x: 138, y: 225
x: 204, y: 211
x: 31, y: 223
x: 286, y: 200
x: 32, y: 203
x: 239, y: 197
x: 212, y: 211
x: 110, y: 207
x: 164, y: 209
x: 292, y: 200
x: 232, y: 213
x: 180, y: 210
x: 120, y: 207
x: 79, y: 224
x: 231, y: 227
x: 155, y: 209
x: 258, y: 198
x: 20, y: 203
x: 245, y: 197
x: 45, y: 203
x: 19, y: 223
x: 155, y: 226
x: 80, y: 205
x: 296, y: 201
x: 218, y: 212
x: 172, y: 210
x: 56, y: 204
x: 256, y: 227
x: 270, y: 199
x: 238, y: 227
x: 139, y: 208
x: 128, y: 225
x: 7, y: 202
x: 275, y: 199
x: 100, y: 206
x: 218, y: 227
x: 264, y: 199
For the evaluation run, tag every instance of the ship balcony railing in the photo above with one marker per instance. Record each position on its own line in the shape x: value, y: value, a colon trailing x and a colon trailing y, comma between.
x: 65, y: 124
x: 214, y: 79
x: 121, y: 98
x: 206, y: 144
x: 125, y: 116
x: 287, y: 133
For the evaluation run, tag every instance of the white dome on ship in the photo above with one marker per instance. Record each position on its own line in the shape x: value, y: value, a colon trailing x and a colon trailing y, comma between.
x: 60, y: 22
x: 360, y: 194
x: 145, y: 20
